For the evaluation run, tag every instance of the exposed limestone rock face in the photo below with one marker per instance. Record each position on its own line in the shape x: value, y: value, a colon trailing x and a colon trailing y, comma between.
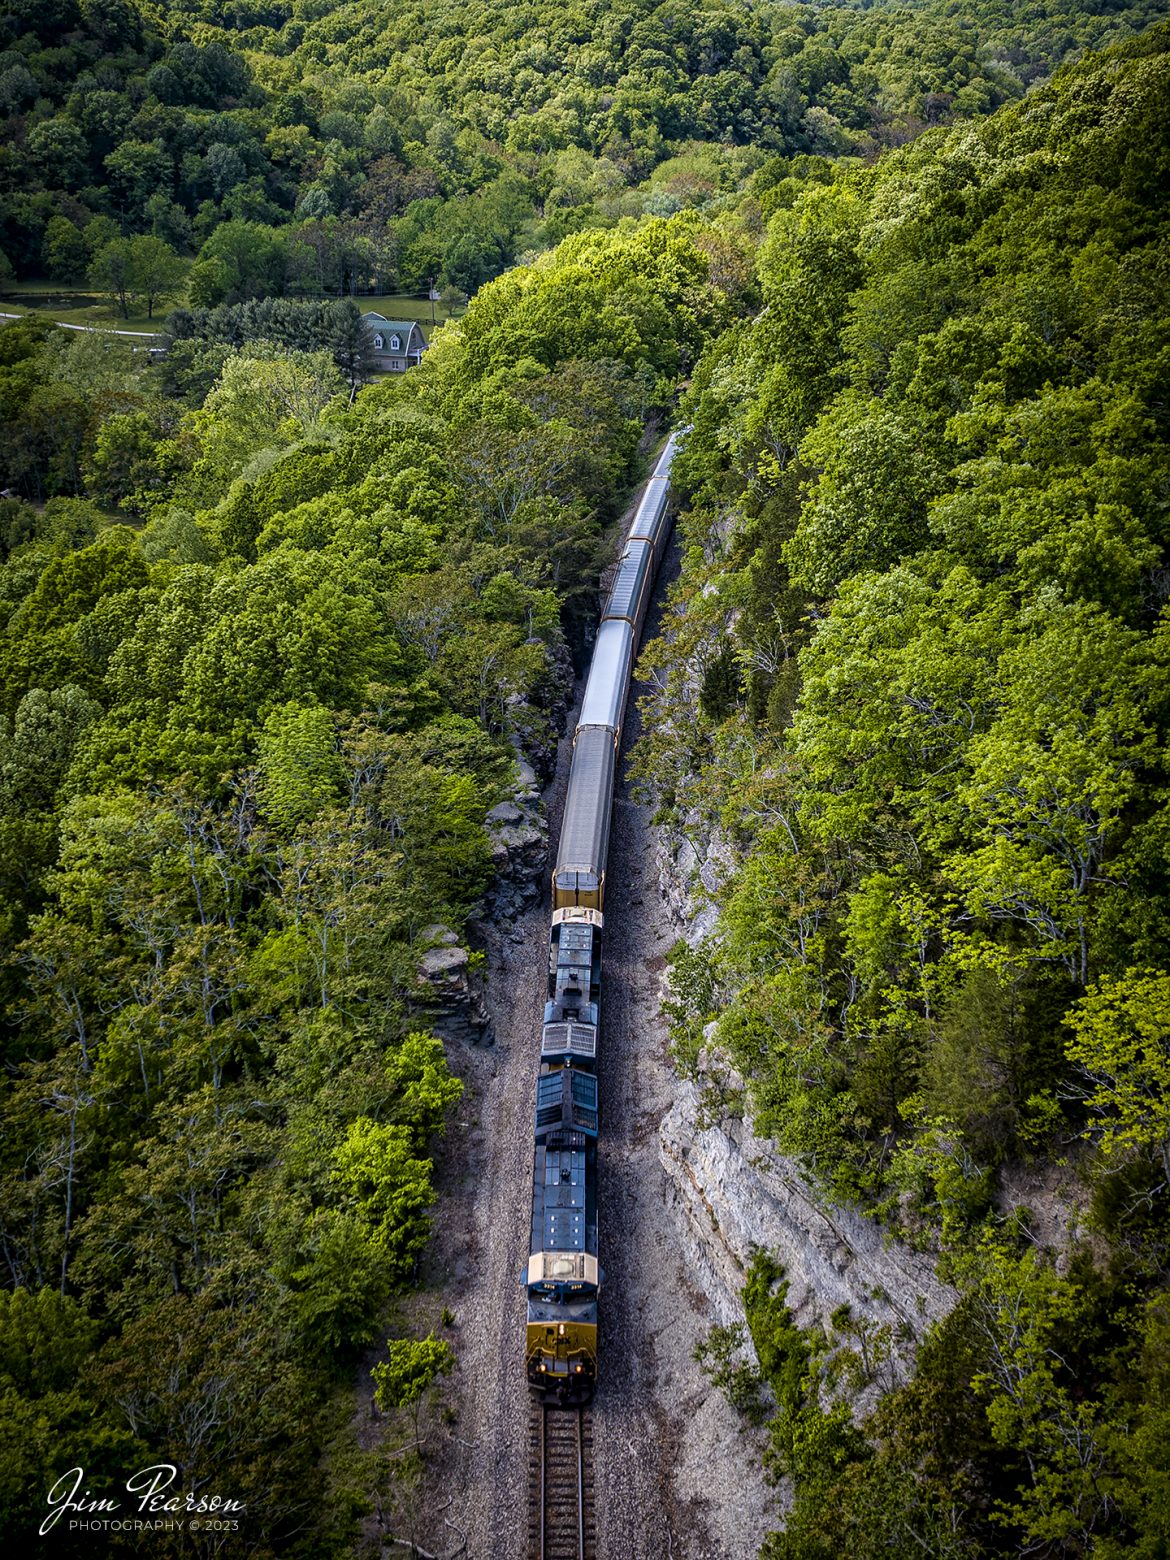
x: 735, y: 1191
x: 692, y: 862
x: 448, y: 992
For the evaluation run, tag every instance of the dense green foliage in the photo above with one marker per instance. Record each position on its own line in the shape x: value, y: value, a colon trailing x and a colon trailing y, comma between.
x: 1033, y: 1423
x: 292, y: 145
x: 926, y: 628
x: 271, y: 639
x: 246, y: 754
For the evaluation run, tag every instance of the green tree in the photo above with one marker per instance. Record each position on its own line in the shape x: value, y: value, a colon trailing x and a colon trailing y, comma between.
x: 58, y: 149
x: 424, y: 1087
x: 52, y: 1419
x: 1121, y: 1042
x: 264, y: 398
x: 110, y: 272
x: 410, y: 1371
x: 300, y: 767
x: 250, y: 257
x: 388, y: 1188
x: 124, y: 460
x: 137, y: 169
x: 65, y: 252
x: 154, y: 272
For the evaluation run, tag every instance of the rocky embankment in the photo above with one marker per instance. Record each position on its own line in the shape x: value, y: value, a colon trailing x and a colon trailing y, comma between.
x: 449, y: 989
x: 449, y: 984
x: 733, y: 1190
x: 518, y: 831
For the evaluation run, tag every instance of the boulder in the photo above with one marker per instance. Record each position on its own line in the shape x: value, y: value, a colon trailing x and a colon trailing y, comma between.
x: 448, y: 994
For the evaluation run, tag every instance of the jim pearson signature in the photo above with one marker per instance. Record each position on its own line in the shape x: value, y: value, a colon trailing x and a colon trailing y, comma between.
x: 150, y: 1485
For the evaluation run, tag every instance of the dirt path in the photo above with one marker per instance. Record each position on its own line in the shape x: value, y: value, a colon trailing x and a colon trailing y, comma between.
x: 675, y: 1478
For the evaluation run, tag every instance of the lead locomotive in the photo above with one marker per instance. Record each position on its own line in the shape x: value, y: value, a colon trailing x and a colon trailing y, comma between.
x: 563, y: 1277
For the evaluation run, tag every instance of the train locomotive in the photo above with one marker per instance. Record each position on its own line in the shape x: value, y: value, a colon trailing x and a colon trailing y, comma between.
x: 563, y: 1277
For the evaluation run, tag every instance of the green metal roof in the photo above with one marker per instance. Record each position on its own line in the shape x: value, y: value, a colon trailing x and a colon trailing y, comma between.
x: 380, y: 320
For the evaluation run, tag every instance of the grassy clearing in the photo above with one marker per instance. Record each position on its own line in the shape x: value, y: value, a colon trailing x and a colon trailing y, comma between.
x: 73, y: 306
x: 83, y: 306
x: 400, y: 306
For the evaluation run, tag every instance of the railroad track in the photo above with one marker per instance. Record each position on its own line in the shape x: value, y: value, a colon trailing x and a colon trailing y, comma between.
x: 561, y: 1520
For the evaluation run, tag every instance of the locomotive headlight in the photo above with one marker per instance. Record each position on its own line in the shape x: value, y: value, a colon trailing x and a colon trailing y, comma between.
x: 561, y: 1329
x: 543, y: 1366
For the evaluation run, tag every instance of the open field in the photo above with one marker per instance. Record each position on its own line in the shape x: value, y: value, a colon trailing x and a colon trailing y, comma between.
x: 83, y: 306
x: 73, y: 306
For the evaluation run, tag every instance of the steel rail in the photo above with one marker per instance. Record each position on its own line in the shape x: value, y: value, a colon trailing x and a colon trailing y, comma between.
x: 560, y: 1485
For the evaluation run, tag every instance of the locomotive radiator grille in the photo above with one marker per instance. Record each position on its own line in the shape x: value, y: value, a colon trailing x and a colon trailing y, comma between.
x: 569, y: 1039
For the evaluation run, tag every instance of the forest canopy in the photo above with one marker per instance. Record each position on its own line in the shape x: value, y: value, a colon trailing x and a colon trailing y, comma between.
x: 326, y: 148
x: 275, y: 636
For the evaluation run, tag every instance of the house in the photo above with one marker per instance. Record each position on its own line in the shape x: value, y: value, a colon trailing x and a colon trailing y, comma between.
x: 396, y: 345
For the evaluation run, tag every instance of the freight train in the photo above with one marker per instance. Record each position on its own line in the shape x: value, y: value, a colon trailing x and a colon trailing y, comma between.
x: 563, y: 1277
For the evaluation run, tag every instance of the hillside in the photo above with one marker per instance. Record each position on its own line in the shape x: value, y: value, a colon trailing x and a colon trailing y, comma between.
x: 248, y: 754
x: 317, y: 148
x: 286, y: 653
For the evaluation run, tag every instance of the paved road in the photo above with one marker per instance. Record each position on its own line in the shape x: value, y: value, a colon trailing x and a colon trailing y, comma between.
x: 91, y: 330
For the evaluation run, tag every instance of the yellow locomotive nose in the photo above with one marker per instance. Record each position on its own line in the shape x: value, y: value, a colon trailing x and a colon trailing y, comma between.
x: 560, y: 1354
